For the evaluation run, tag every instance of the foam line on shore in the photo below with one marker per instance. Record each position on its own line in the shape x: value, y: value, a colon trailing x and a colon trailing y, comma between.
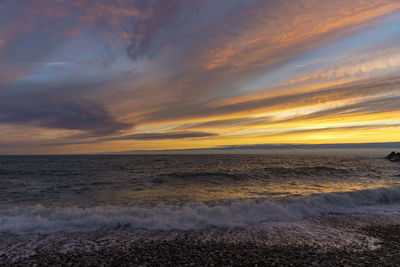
x: 195, y: 215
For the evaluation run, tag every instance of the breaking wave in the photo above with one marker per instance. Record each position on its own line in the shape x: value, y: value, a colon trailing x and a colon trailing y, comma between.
x: 194, y: 215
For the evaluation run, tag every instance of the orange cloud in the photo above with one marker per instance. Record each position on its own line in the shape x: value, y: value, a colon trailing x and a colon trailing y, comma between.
x: 293, y: 26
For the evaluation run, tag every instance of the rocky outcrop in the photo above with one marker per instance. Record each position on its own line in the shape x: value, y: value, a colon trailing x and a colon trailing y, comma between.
x: 394, y: 157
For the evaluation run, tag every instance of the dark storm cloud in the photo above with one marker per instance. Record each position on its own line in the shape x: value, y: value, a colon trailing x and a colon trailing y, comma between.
x: 82, y: 114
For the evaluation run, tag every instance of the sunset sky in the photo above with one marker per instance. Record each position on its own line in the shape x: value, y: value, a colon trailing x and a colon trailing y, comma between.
x: 85, y: 76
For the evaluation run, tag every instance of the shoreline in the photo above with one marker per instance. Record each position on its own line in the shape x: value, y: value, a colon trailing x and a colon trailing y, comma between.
x: 189, y: 248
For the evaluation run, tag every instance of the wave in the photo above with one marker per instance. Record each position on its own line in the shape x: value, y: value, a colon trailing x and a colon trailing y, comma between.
x: 206, y: 175
x: 265, y: 173
x: 195, y: 215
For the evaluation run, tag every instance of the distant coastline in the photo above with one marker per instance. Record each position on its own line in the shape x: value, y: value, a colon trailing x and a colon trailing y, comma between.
x: 373, y: 149
x: 361, y: 149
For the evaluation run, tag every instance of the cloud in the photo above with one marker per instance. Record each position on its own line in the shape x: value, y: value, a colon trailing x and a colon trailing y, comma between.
x: 216, y: 50
x: 330, y: 129
x: 375, y: 107
x: 84, y: 140
x: 189, y: 65
x: 270, y: 33
x: 279, y: 102
x: 82, y: 114
x: 237, y: 122
x: 356, y: 65
x: 143, y: 35
x: 162, y: 136
x: 52, y: 25
x: 389, y: 145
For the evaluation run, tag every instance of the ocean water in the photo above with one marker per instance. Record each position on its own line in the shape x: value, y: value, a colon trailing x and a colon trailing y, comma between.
x: 52, y: 194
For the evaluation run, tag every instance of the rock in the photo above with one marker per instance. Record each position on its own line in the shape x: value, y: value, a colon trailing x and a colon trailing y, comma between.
x: 394, y: 157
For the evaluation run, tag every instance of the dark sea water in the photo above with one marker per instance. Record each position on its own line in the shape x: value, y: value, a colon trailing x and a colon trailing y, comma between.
x: 47, y: 194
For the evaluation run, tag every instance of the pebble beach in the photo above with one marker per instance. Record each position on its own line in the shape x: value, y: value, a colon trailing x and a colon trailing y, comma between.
x: 191, y: 248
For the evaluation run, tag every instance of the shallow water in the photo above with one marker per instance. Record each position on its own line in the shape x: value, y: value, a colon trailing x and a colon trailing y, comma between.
x: 85, y: 193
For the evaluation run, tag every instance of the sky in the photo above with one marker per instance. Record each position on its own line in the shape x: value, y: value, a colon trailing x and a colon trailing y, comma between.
x: 85, y: 76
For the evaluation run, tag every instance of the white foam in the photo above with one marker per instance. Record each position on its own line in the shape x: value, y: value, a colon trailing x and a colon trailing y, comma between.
x: 196, y: 215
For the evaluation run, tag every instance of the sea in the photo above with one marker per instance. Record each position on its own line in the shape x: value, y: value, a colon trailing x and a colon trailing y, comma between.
x: 164, y: 195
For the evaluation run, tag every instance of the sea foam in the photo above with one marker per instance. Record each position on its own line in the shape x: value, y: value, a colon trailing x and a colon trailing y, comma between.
x: 232, y: 213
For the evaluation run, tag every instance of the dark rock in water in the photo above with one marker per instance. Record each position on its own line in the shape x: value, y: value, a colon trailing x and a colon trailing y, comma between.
x: 394, y: 157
